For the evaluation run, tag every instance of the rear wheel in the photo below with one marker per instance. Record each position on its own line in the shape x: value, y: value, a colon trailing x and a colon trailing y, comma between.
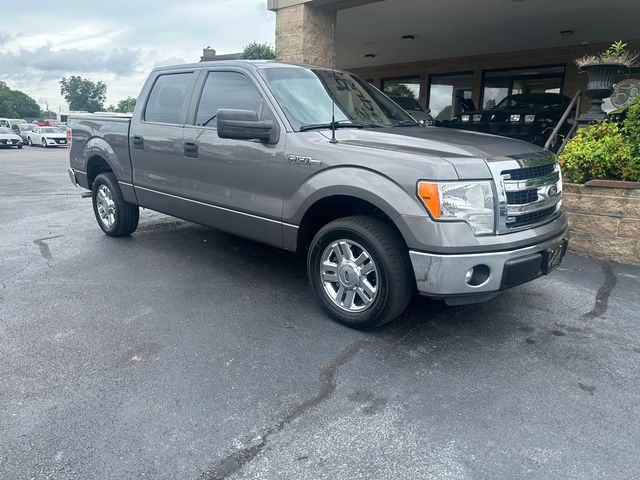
x: 360, y: 272
x: 116, y: 217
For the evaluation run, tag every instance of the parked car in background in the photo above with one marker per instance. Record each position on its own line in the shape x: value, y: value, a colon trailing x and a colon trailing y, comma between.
x: 47, y: 137
x: 24, y: 129
x: 11, y: 123
x: 55, y: 123
x: 527, y: 116
x: 9, y: 139
x: 413, y: 108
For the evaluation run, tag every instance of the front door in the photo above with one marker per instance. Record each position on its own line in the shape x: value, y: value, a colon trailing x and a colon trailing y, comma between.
x: 237, y: 184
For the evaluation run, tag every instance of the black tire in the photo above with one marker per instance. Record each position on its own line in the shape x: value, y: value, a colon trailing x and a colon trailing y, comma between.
x: 395, y: 284
x: 19, y: 147
x: 44, y: 142
x: 29, y: 141
x: 126, y: 215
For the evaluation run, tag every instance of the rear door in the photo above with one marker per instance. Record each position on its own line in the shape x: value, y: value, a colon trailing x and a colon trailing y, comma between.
x: 155, y: 139
x: 237, y: 184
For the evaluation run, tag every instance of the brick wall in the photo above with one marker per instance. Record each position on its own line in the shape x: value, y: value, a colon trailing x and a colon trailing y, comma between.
x: 604, y: 222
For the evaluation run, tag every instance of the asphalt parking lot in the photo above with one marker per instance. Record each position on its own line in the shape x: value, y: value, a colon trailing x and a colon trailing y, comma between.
x: 185, y: 353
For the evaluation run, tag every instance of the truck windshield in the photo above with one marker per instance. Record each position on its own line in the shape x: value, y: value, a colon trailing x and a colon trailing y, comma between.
x: 306, y: 96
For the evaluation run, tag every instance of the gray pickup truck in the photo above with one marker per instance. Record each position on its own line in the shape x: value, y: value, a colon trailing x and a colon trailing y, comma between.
x: 318, y: 161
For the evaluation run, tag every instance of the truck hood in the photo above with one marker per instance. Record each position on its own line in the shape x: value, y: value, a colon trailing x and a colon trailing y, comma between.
x: 465, y: 151
x: 446, y: 143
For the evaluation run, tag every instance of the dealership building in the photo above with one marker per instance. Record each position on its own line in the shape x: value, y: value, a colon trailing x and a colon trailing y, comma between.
x: 446, y: 52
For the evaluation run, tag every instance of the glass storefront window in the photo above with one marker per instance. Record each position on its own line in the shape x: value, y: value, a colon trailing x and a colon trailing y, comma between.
x: 497, y: 84
x: 450, y: 94
x: 402, y: 87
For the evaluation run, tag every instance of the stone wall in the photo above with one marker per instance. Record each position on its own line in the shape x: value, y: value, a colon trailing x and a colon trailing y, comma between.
x: 604, y: 221
x: 306, y: 34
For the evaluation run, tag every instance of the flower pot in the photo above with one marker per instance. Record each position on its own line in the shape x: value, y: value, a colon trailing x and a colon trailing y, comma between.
x: 602, y: 77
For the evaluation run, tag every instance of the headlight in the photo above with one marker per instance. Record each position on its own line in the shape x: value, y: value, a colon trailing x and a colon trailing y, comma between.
x: 529, y: 118
x: 514, y: 118
x: 477, y: 117
x: 465, y: 118
x: 471, y: 202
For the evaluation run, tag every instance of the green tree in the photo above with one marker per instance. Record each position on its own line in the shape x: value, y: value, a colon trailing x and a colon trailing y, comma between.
x: 259, y: 51
x: 83, y: 94
x: 48, y: 114
x: 127, y: 105
x: 16, y: 104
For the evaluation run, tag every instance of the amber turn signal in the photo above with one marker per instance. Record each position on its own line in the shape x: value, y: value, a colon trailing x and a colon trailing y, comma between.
x: 429, y: 193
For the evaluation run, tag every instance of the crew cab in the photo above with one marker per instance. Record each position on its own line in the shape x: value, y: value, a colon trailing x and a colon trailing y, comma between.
x: 317, y: 161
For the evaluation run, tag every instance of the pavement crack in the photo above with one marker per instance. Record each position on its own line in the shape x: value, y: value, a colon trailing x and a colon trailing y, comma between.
x: 602, y: 297
x: 44, y: 247
x: 328, y: 382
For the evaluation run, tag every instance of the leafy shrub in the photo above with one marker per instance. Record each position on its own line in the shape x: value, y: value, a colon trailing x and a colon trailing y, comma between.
x: 600, y: 151
x: 605, y: 150
x: 631, y: 126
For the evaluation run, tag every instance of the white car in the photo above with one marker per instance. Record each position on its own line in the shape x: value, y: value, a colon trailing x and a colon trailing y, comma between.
x: 47, y: 137
x: 9, y: 139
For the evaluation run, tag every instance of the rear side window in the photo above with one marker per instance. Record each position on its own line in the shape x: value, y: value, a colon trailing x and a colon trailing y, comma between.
x: 224, y: 90
x: 168, y: 99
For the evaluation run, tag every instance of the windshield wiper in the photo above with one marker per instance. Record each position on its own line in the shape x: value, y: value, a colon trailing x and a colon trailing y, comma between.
x: 406, y: 123
x: 316, y: 126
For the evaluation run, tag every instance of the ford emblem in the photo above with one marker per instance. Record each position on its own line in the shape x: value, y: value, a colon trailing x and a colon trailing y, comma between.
x: 552, y: 191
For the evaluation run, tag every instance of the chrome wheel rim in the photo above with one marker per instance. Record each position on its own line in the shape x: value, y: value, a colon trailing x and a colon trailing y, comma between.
x: 349, y: 276
x: 106, y: 206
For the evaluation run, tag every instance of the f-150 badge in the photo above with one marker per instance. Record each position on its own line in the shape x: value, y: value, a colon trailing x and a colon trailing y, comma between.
x: 303, y: 160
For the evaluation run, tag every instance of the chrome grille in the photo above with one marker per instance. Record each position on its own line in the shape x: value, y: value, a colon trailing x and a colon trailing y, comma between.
x: 528, y: 188
x: 530, y: 172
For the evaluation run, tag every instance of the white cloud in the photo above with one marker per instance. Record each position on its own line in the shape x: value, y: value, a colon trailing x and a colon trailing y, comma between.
x: 120, y: 41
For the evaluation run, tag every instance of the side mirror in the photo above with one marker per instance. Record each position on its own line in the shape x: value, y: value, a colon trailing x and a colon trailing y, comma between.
x: 243, y: 125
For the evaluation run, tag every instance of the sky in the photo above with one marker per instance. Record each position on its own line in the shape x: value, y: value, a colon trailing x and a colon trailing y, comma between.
x: 118, y: 41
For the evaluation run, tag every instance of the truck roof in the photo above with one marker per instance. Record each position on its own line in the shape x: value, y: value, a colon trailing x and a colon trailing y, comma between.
x: 255, y: 64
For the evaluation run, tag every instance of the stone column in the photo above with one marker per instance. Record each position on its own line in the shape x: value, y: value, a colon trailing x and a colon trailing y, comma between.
x: 306, y: 34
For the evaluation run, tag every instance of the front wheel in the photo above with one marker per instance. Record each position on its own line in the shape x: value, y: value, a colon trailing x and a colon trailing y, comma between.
x: 360, y: 272
x: 44, y: 143
x: 30, y: 142
x: 116, y: 216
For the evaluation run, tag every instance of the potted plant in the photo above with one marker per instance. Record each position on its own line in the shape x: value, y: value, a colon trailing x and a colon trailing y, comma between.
x: 602, y: 70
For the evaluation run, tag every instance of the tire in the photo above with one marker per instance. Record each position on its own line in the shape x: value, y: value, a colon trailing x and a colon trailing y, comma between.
x: 19, y: 147
x: 29, y: 141
x: 44, y: 142
x: 375, y: 266
x: 115, y: 216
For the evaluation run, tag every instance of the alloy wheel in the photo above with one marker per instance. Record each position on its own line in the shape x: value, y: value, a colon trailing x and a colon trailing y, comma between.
x: 349, y: 275
x: 106, y: 206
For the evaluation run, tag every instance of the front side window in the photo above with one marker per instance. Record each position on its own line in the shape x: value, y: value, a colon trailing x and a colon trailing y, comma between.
x: 227, y: 90
x: 168, y: 99
x: 307, y: 97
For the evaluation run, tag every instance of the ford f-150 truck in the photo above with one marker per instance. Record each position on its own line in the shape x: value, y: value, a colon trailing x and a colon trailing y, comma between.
x: 317, y: 161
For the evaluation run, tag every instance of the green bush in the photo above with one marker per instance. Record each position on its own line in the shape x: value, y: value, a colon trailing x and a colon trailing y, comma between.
x: 605, y: 150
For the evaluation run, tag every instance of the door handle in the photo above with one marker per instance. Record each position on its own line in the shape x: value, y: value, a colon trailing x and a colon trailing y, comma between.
x: 138, y: 142
x: 191, y: 149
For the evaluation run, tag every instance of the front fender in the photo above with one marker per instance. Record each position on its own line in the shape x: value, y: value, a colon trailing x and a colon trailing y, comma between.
x: 377, y: 189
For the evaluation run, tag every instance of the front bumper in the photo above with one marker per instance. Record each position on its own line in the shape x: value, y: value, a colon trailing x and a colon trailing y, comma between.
x: 443, y: 276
